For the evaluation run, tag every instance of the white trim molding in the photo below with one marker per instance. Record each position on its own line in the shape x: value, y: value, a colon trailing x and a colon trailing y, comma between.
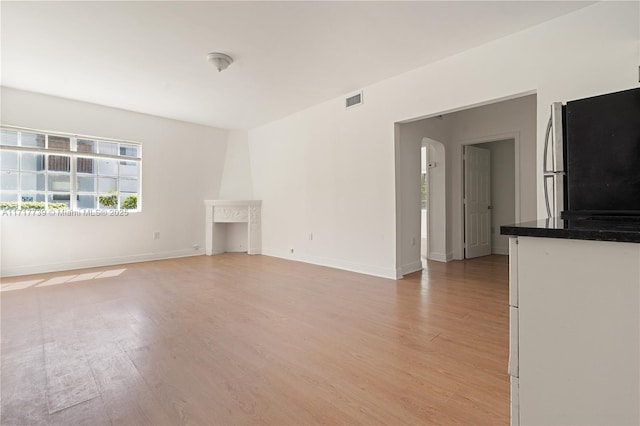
x: 409, y: 268
x: 441, y: 257
x: 359, y: 268
x: 98, y: 262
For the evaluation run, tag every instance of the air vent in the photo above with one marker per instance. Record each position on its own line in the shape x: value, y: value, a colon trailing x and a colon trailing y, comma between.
x: 353, y: 100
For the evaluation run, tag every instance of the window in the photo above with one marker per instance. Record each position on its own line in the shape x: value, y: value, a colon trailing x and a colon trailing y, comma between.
x: 41, y: 170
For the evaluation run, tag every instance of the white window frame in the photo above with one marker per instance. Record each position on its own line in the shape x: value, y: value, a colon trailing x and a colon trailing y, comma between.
x: 73, y: 155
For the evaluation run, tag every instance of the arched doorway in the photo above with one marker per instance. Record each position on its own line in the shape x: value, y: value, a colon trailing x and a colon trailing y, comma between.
x: 434, y: 208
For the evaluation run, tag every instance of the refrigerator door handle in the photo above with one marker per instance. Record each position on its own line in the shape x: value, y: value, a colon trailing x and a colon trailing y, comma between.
x: 546, y: 194
x: 545, y: 160
x: 558, y: 140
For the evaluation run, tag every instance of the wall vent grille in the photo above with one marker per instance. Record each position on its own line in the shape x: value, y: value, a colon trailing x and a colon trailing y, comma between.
x: 353, y: 100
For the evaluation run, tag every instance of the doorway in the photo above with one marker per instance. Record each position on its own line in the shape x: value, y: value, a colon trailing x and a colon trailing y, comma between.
x: 424, y: 204
x: 432, y: 201
x: 510, y: 119
x: 489, y: 196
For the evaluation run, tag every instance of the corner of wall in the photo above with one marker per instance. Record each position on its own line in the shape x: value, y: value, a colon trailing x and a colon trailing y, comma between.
x: 236, y: 177
x: 408, y: 269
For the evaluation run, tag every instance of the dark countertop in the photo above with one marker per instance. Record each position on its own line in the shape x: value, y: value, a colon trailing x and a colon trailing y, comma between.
x: 598, y: 230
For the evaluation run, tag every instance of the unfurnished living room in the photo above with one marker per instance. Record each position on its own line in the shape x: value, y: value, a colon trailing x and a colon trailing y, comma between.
x: 300, y: 213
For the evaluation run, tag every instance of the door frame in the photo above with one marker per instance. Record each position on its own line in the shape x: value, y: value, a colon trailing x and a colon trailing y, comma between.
x: 515, y: 136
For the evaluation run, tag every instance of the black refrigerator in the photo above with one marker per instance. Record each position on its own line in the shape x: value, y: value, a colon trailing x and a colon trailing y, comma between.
x: 592, y: 157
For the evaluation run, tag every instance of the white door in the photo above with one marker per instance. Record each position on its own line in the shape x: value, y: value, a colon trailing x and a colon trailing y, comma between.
x: 477, y: 202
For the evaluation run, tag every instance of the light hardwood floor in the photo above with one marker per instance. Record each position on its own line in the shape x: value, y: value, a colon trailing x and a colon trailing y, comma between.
x: 237, y: 339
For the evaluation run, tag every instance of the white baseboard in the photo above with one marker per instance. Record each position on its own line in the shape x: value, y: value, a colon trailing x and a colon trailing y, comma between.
x: 97, y: 262
x: 440, y: 257
x: 500, y: 250
x: 409, y: 268
x: 333, y: 263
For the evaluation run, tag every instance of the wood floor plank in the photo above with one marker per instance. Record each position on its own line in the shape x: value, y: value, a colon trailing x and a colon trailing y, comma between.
x: 237, y: 339
x: 137, y: 406
x: 23, y: 387
x: 87, y: 413
x: 69, y: 377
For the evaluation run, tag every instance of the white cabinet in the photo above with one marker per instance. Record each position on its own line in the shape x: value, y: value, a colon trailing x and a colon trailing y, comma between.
x: 513, y: 272
x: 514, y: 365
x: 575, y: 332
x: 515, y: 401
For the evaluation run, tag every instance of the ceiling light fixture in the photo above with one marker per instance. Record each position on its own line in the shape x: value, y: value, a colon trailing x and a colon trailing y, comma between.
x: 219, y: 60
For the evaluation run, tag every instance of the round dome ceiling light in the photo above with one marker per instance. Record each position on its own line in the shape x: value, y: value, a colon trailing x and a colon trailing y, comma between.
x: 219, y: 60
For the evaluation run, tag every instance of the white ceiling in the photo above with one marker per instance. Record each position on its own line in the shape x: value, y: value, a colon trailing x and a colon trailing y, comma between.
x: 150, y: 57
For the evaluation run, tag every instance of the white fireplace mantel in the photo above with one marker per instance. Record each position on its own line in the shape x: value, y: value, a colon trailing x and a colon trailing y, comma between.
x: 221, y: 212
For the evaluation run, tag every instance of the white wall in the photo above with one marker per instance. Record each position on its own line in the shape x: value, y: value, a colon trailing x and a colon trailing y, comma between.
x: 502, y: 191
x: 182, y: 166
x: 331, y: 171
x: 236, y: 178
x: 236, y: 185
x: 322, y: 177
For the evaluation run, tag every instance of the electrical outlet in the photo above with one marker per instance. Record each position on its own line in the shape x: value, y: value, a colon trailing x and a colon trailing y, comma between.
x: 413, y: 241
x: 310, y: 236
x: 196, y: 246
x: 156, y: 235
